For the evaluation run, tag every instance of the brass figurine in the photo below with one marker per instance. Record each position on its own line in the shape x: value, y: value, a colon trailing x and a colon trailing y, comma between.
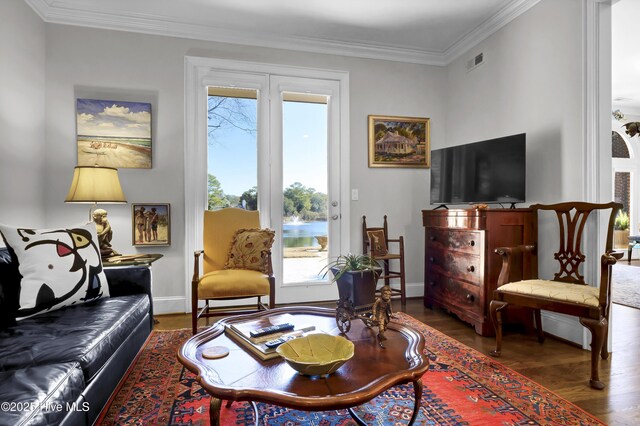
x: 104, y: 233
x: 382, y: 312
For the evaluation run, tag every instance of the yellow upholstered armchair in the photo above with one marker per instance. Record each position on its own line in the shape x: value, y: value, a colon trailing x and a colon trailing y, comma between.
x: 236, y: 263
x: 567, y: 292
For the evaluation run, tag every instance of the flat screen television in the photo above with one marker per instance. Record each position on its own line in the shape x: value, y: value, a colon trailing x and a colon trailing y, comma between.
x: 490, y: 172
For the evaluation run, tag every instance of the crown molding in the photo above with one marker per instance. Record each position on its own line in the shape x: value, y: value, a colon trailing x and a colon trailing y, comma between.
x: 87, y: 15
x: 495, y: 22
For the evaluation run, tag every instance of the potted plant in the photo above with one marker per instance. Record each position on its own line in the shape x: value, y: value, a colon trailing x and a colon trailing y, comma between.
x: 621, y: 230
x: 356, y: 276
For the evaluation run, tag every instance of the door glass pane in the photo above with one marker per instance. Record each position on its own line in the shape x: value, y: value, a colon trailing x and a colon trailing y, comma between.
x: 622, y: 194
x: 304, y: 177
x: 623, y: 190
x: 232, y: 148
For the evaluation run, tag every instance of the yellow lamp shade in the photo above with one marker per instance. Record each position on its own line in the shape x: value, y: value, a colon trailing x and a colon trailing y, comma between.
x: 95, y: 185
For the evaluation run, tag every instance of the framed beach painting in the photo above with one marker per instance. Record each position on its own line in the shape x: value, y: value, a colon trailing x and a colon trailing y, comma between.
x: 150, y: 224
x: 113, y: 133
x: 398, y: 142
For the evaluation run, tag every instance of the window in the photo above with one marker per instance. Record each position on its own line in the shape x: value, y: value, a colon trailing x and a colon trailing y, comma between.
x: 232, y: 155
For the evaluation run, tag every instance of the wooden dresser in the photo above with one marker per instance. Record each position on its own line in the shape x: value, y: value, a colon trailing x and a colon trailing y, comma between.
x: 460, y: 267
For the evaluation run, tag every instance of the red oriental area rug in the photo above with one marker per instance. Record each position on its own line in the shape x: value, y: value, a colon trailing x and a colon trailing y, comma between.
x: 462, y: 387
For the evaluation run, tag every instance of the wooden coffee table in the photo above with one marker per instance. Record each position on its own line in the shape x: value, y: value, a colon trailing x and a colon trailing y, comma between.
x: 241, y: 376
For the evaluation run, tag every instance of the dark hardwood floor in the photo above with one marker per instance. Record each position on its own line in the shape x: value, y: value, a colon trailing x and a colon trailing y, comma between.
x: 556, y: 365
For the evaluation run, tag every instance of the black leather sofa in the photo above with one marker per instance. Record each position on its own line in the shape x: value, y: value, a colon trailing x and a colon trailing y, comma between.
x: 61, y: 367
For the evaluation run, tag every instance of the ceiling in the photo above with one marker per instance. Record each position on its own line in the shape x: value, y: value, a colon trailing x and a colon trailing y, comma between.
x: 433, y: 32
x: 420, y: 31
x: 625, y: 55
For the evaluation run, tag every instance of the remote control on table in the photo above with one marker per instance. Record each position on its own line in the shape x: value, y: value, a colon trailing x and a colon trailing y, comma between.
x: 271, y: 329
x: 277, y: 342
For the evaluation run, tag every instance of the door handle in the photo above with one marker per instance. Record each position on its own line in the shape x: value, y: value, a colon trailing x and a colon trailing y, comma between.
x: 335, y: 217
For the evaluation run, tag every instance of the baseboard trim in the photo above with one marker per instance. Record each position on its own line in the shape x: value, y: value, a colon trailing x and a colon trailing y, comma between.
x: 168, y: 305
x: 176, y: 304
x: 415, y: 289
x: 563, y: 326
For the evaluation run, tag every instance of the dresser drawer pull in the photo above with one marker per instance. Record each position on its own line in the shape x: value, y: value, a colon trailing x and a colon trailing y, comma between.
x: 470, y: 297
x: 432, y: 260
x: 472, y: 243
x: 432, y: 283
x: 471, y: 268
x: 432, y: 238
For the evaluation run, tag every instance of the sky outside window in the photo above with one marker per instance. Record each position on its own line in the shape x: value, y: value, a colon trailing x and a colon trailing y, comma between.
x: 232, y: 153
x: 305, y: 145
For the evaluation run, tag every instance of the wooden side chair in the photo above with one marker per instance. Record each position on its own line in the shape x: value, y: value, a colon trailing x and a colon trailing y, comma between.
x: 375, y: 243
x: 236, y: 263
x: 567, y: 292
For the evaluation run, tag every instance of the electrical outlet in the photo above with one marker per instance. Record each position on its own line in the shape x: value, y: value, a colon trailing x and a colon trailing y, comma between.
x: 354, y: 195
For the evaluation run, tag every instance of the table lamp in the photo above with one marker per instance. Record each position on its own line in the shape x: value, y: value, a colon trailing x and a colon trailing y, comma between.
x: 96, y: 184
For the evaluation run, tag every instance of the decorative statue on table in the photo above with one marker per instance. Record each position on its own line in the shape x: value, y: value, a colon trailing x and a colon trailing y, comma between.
x: 104, y: 233
x: 382, y: 312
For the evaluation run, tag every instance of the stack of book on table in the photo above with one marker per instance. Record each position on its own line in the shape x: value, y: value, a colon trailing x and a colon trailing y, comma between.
x: 259, y: 336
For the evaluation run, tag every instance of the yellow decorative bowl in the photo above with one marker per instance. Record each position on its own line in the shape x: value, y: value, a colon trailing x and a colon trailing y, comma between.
x: 316, y: 354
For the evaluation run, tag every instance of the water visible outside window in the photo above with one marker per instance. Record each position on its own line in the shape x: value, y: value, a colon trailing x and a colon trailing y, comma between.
x: 305, y: 205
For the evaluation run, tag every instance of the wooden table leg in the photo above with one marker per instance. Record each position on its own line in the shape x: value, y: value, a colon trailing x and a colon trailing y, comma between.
x: 417, y: 391
x: 214, y: 411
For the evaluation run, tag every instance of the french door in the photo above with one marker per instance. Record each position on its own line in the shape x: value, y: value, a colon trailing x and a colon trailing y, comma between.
x: 305, y: 184
x: 298, y: 164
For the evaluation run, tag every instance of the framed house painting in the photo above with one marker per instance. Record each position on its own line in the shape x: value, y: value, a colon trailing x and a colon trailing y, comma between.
x: 150, y: 224
x: 399, y: 142
x: 113, y: 133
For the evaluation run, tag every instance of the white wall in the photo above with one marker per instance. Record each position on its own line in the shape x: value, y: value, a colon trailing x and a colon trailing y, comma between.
x: 22, y: 115
x: 401, y: 194
x: 532, y: 82
x: 127, y: 66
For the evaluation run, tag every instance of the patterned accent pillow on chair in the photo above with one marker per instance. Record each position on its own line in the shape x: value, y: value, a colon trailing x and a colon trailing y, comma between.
x: 59, y: 267
x: 248, y: 247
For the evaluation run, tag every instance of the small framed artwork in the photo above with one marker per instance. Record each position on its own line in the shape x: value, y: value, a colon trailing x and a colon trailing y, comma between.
x: 150, y: 224
x: 113, y: 133
x: 399, y: 142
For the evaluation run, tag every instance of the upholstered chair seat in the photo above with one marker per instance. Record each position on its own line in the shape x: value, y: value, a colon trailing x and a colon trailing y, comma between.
x: 233, y: 283
x: 555, y: 291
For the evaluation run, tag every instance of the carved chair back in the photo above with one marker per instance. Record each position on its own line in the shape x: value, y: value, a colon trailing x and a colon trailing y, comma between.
x: 366, y: 249
x: 572, y: 219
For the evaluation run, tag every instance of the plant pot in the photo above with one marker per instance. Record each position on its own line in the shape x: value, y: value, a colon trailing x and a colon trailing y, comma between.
x: 621, y: 239
x: 357, y: 287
